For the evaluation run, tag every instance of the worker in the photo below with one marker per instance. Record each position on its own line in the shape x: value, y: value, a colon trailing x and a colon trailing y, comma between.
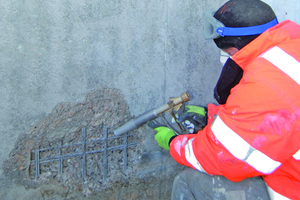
x: 249, y: 148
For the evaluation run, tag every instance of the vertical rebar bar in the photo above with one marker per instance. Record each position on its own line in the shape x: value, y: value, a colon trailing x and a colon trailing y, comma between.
x: 37, y: 164
x: 83, y: 153
x: 105, y: 153
x: 125, y: 152
x: 60, y: 158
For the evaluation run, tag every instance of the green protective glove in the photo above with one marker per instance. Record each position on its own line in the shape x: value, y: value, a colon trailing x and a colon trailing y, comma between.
x: 193, y: 118
x: 195, y: 109
x: 163, y: 136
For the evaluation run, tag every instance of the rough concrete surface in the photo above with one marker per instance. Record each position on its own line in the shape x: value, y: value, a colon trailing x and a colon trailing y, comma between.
x: 55, y: 51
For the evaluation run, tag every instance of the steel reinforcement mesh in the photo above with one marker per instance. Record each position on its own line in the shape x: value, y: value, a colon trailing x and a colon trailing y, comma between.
x: 81, y: 151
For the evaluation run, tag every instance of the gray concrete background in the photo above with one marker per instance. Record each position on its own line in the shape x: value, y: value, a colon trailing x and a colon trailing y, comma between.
x: 55, y: 51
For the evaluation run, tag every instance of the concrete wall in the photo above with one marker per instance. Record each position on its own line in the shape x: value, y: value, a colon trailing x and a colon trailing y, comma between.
x: 55, y: 51
x: 285, y: 9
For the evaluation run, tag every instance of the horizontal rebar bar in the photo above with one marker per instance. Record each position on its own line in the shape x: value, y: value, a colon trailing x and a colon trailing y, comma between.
x: 56, y: 158
x: 80, y: 143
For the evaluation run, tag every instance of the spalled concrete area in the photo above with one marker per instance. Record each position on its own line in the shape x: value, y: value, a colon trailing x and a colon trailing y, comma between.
x: 56, y: 51
x: 80, y: 158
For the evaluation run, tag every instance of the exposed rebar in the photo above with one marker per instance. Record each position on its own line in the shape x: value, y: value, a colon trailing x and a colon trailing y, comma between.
x: 83, y: 154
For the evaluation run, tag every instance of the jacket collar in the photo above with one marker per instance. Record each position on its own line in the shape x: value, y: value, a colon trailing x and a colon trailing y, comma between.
x: 283, y: 31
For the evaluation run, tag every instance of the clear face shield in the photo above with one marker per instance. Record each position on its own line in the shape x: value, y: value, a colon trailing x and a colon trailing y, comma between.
x: 213, y: 28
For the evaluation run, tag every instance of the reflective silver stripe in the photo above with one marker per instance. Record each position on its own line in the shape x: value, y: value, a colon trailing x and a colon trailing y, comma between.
x: 240, y: 149
x: 284, y: 62
x: 288, y: 65
x: 190, y: 156
x: 296, y: 156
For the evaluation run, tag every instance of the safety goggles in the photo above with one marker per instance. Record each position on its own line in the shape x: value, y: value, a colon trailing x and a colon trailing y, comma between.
x: 213, y: 28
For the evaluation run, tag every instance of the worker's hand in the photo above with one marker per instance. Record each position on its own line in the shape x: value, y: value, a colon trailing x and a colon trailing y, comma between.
x: 193, y: 118
x: 163, y: 136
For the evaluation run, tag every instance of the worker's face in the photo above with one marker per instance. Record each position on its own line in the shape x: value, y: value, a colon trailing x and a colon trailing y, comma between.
x: 231, y: 51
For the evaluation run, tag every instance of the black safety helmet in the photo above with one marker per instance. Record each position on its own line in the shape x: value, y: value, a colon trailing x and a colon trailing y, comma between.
x: 242, y: 13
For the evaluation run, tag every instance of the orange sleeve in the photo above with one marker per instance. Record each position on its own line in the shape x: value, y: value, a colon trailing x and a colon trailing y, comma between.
x: 209, y: 153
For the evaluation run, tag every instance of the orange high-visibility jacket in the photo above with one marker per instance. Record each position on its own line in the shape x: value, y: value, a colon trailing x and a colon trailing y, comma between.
x: 257, y: 131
